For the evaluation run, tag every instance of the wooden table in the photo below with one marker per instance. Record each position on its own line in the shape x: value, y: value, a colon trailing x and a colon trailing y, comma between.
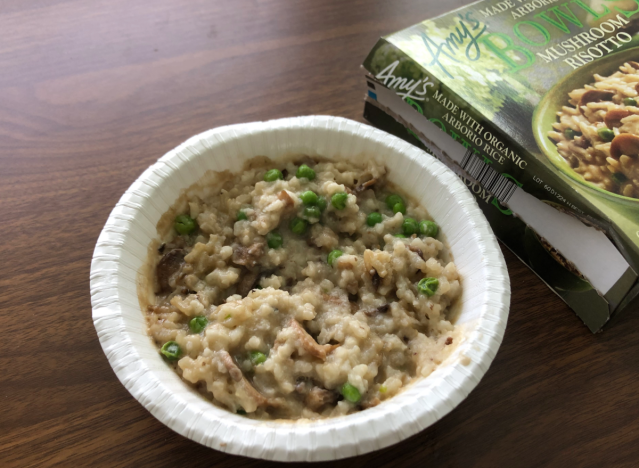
x: 93, y: 92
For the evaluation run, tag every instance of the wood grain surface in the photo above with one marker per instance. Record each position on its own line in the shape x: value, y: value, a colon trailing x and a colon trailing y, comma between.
x: 93, y: 92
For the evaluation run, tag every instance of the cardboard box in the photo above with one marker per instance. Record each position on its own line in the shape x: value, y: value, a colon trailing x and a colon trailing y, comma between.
x: 535, y: 105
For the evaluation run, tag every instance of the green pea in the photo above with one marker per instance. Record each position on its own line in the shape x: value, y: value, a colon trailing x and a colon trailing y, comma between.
x: 273, y: 175
x: 619, y: 177
x: 184, y: 224
x: 606, y: 134
x: 410, y: 227
x: 171, y: 350
x: 309, y: 198
x: 383, y: 389
x: 428, y: 228
x: 274, y: 240
x: 373, y: 219
x: 321, y: 203
x: 338, y: 200
x: 428, y: 286
x: 399, y: 208
x: 401, y: 236
x: 334, y: 255
x: 298, y: 226
x: 312, y: 212
x: 197, y: 324
x: 305, y: 172
x: 241, y: 216
x: 350, y: 393
x: 257, y: 357
x: 630, y: 102
x: 569, y: 133
x: 393, y: 200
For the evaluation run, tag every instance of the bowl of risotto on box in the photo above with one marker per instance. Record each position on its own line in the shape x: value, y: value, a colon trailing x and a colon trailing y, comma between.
x: 588, y: 126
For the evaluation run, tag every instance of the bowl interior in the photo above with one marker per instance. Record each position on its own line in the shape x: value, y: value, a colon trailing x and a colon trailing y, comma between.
x: 121, y: 254
x: 546, y: 113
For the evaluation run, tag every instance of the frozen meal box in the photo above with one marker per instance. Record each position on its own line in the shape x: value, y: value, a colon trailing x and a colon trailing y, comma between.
x: 535, y: 105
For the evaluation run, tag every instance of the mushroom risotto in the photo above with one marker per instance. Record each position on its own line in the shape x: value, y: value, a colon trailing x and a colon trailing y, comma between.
x: 301, y: 289
x: 598, y: 135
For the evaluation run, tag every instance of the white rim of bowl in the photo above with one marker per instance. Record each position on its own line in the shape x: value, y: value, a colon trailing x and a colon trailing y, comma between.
x: 181, y: 409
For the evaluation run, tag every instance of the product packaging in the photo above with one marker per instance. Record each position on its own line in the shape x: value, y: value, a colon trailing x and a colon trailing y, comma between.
x: 535, y: 105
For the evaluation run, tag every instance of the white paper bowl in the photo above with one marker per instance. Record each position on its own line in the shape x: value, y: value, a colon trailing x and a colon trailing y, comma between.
x: 122, y: 248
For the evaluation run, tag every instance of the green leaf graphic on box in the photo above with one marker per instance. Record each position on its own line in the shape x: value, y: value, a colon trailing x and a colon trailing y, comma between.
x: 416, y: 106
x: 488, y: 79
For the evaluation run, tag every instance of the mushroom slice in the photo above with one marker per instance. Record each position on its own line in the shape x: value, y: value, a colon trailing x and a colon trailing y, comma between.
x: 582, y: 142
x: 366, y: 185
x: 613, y: 117
x: 285, y: 196
x: 248, y: 282
x: 308, y: 343
x: 633, y: 64
x: 418, y: 251
x: 370, y: 403
x: 251, y: 280
x: 234, y: 371
x: 375, y: 279
x: 378, y: 310
x: 238, y: 377
x: 247, y: 256
x: 168, y: 265
x: 624, y: 143
x: 594, y: 95
x: 319, y: 397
